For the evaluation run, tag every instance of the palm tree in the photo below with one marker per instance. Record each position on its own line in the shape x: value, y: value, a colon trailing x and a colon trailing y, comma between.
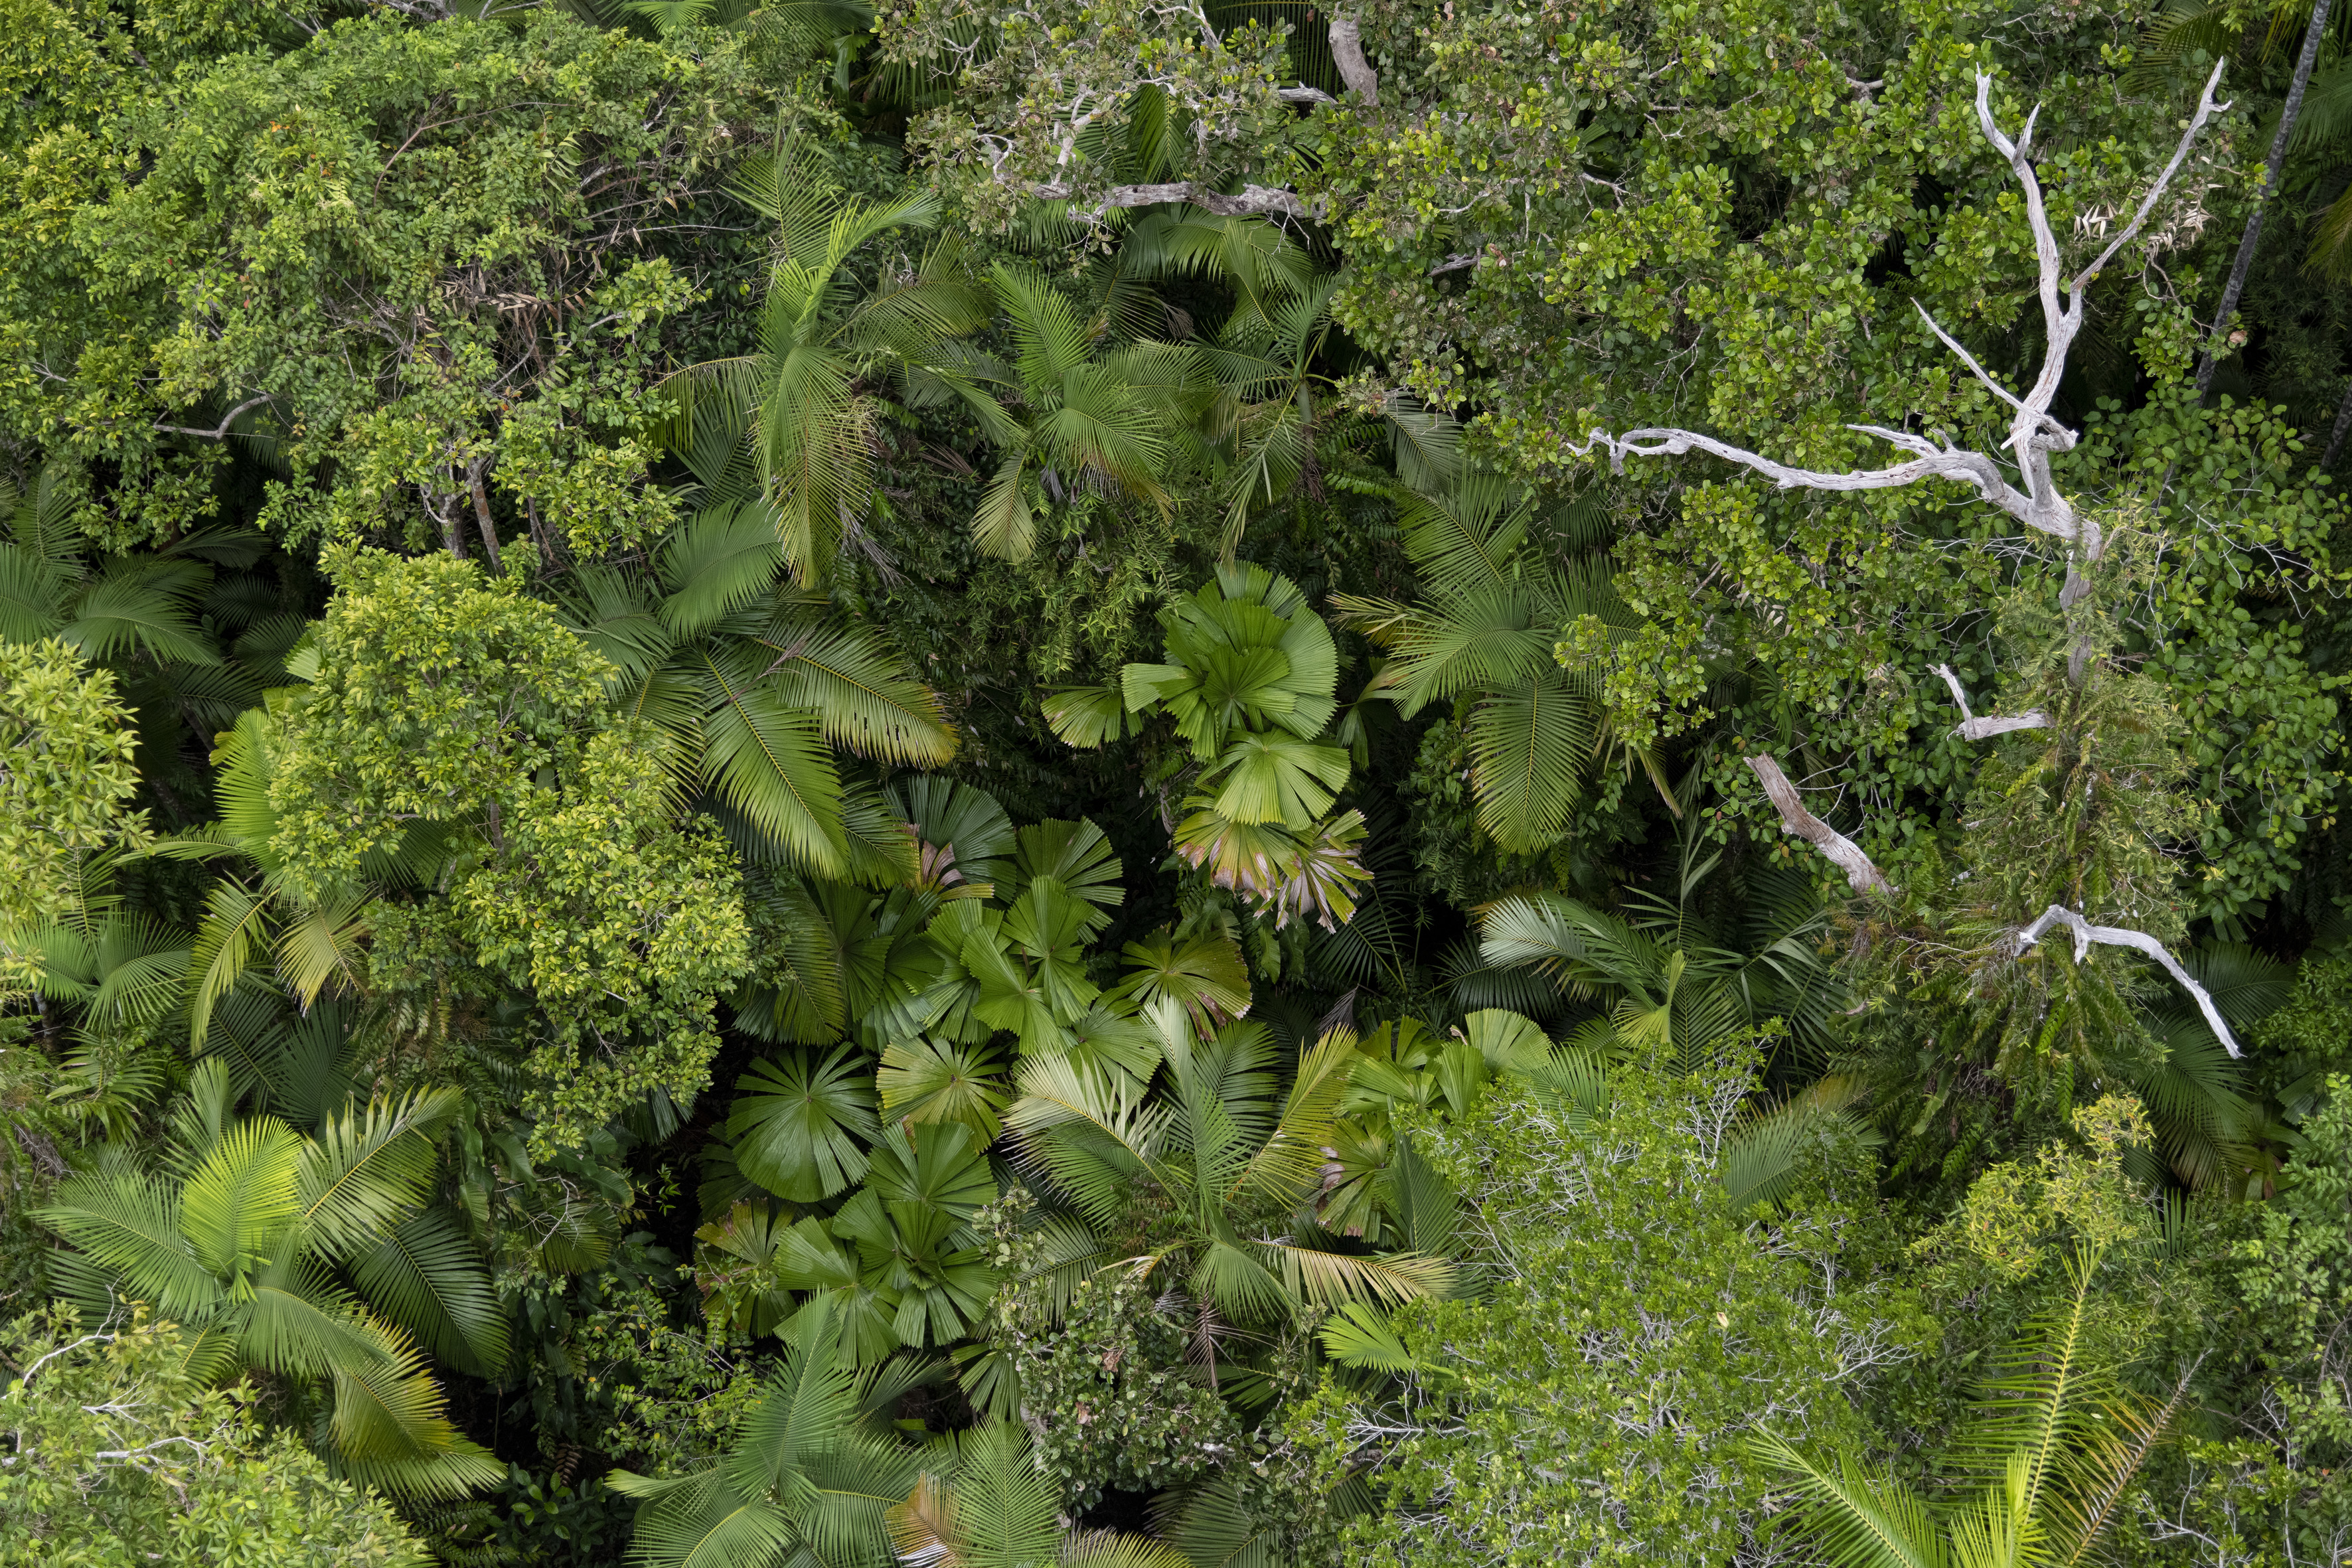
x: 810, y: 1477
x: 127, y: 604
x: 1216, y: 1182
x: 1498, y: 591
x: 1679, y: 988
x: 2046, y: 1462
x: 1676, y: 984
x: 1269, y: 391
x: 801, y: 407
x: 1063, y: 416
x: 105, y: 976
x: 1249, y: 686
x: 983, y: 1501
x: 1403, y: 1067
x: 1270, y: 407
x: 750, y: 683
x: 237, y: 1235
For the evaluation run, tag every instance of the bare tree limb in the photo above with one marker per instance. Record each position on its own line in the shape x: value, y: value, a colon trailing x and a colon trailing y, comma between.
x: 2034, y: 434
x: 2085, y: 934
x: 1302, y: 94
x: 62, y: 1350
x: 1967, y: 359
x: 1860, y: 875
x: 1347, y: 54
x: 1255, y: 200
x: 1944, y: 462
x: 1972, y: 727
x: 220, y: 432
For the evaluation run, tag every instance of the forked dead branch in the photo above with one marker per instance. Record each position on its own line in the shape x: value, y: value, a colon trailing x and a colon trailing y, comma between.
x: 2034, y: 499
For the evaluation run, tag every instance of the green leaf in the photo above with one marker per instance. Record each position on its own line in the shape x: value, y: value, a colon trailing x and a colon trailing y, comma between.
x: 798, y: 1126
x: 425, y: 1276
x: 861, y: 693
x: 1205, y: 972
x: 1359, y: 1334
x: 1087, y: 716
x: 937, y: 1166
x: 724, y: 558
x: 925, y: 1081
x: 366, y: 1169
x: 768, y: 759
x: 1527, y: 745
x: 1277, y: 778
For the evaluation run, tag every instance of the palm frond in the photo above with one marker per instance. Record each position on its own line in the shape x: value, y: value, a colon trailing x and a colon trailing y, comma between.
x: 1328, y: 1277
x: 726, y: 557
x: 768, y: 759
x: 129, y: 1224
x: 1855, y: 1519
x: 367, y: 1168
x: 863, y: 694
x: 240, y: 1200
x: 425, y: 1277
x: 1526, y: 744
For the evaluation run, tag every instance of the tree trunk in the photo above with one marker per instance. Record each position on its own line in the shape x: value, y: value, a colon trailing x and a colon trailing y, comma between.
x: 2343, y: 423
x: 1347, y: 54
x: 2272, y: 174
x: 443, y: 505
x: 482, y: 511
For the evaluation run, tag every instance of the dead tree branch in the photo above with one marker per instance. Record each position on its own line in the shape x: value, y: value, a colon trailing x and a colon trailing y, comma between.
x: 1255, y: 200
x: 2273, y: 167
x: 2034, y: 433
x: 1972, y: 727
x: 220, y: 431
x: 474, y: 472
x: 2085, y: 934
x: 1861, y: 875
x: 43, y: 1152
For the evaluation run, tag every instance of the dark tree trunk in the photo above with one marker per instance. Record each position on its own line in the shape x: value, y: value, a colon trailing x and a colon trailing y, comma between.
x: 2272, y: 174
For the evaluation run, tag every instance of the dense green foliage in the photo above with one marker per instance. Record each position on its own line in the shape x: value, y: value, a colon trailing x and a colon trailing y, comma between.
x: 1175, y: 787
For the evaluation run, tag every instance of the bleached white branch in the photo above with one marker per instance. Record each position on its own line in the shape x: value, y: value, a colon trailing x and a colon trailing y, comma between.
x: 2034, y: 434
x: 2085, y: 934
x: 63, y: 1350
x: 1972, y: 727
x: 1941, y: 462
x: 1967, y: 359
x: 1255, y: 200
x: 220, y: 431
x: 1861, y: 875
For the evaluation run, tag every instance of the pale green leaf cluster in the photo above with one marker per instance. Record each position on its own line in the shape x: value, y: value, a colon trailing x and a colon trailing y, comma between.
x: 119, y: 1455
x: 66, y: 755
x: 434, y: 696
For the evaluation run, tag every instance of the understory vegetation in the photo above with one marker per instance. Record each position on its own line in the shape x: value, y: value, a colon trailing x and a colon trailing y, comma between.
x: 825, y: 783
